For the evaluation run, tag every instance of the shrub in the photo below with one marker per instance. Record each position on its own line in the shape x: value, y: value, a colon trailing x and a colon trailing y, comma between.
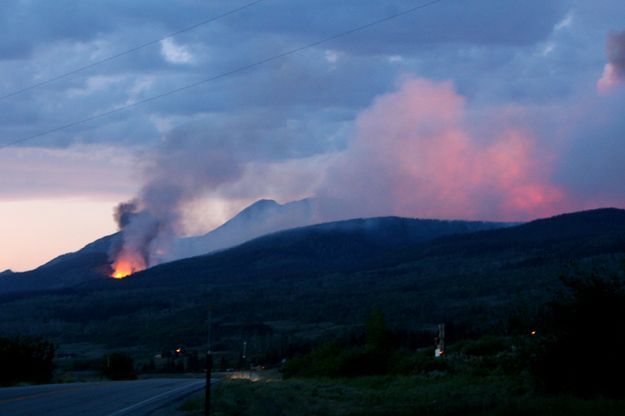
x: 581, y: 350
x: 25, y: 359
x: 487, y: 345
x: 118, y: 366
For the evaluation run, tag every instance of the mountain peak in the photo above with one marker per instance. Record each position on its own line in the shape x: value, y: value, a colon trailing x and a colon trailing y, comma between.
x: 259, y: 207
x: 261, y: 203
x: 262, y: 217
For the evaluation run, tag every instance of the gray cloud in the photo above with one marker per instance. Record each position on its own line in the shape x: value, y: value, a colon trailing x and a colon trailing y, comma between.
x: 93, y: 171
x: 592, y: 158
x: 465, y: 22
x: 496, y: 53
x: 615, y: 48
x: 614, y: 71
x: 80, y: 32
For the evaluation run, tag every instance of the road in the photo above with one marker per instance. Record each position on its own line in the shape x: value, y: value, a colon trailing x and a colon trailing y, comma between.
x: 107, y: 398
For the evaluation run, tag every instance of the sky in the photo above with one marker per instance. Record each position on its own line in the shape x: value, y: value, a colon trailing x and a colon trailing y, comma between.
x: 464, y: 109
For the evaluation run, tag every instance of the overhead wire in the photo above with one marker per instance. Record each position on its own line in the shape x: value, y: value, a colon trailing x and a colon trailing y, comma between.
x: 224, y: 74
x: 128, y: 51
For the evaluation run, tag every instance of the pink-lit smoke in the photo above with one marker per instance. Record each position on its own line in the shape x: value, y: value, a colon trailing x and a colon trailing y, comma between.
x: 614, y: 70
x: 419, y: 152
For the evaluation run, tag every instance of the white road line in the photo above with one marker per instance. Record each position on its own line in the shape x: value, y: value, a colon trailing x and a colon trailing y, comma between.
x: 155, y: 398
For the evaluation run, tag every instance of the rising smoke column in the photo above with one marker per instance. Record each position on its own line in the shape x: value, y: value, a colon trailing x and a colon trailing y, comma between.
x: 185, y: 167
x: 139, y: 228
x: 614, y: 70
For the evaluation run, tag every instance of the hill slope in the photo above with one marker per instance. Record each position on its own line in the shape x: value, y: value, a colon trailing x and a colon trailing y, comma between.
x: 293, y: 284
x: 311, y: 250
x: 92, y: 261
x: 316, y: 248
x: 347, y: 267
x: 67, y: 270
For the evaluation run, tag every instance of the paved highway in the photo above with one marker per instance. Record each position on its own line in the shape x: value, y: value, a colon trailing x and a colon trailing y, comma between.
x: 107, y: 398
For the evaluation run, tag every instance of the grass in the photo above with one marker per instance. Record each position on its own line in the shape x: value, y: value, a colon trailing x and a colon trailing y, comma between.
x: 193, y: 404
x: 446, y: 395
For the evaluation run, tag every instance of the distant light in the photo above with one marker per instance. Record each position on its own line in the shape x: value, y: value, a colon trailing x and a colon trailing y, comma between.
x: 533, y: 333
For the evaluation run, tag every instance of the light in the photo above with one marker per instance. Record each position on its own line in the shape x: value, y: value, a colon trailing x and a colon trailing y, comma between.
x: 244, y: 375
x: 122, y: 269
x: 533, y: 333
x: 127, y: 263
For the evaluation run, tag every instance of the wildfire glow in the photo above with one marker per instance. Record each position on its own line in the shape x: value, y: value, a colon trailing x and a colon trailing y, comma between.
x: 122, y: 269
x: 127, y: 264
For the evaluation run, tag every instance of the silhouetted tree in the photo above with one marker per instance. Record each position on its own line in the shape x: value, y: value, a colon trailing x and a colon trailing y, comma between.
x: 377, y: 334
x: 583, y: 343
x: 118, y: 366
x: 26, y: 359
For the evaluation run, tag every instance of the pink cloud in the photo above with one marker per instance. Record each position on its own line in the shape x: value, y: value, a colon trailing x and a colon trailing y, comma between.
x: 609, y: 80
x: 415, y: 153
x: 614, y: 70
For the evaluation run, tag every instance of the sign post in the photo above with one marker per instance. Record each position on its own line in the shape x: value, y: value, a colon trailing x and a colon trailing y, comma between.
x: 207, y: 391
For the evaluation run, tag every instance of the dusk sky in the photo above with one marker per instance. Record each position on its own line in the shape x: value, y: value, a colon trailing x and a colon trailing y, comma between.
x: 464, y: 109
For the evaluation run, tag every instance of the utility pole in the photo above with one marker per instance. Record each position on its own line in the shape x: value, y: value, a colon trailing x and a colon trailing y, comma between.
x: 440, y: 347
x: 207, y: 392
x: 209, y: 368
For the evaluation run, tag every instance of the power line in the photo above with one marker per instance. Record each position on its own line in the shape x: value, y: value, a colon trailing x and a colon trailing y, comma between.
x: 224, y: 74
x: 129, y: 51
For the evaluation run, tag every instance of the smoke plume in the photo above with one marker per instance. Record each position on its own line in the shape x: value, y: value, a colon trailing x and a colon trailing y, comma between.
x: 614, y: 70
x: 185, y: 167
x: 422, y: 150
x: 418, y: 151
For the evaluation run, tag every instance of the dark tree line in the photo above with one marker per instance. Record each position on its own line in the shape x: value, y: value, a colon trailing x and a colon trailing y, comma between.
x: 26, y: 359
x: 583, y: 342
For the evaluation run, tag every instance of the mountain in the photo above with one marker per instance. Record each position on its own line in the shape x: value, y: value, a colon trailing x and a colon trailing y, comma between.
x: 92, y: 262
x: 296, y: 285
x: 67, y: 270
x: 420, y: 272
x: 566, y: 236
x: 314, y: 249
x: 391, y: 242
x: 262, y: 217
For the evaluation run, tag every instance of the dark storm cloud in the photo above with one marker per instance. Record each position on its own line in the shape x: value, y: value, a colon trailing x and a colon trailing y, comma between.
x: 615, y: 48
x: 25, y: 25
x: 486, y: 22
x: 532, y: 53
x: 54, y: 37
x: 614, y: 71
x: 591, y: 163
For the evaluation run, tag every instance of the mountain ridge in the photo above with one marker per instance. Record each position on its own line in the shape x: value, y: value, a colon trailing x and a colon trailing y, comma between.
x: 91, y: 263
x: 92, y: 260
x: 499, y: 238
x: 261, y: 217
x: 332, y: 273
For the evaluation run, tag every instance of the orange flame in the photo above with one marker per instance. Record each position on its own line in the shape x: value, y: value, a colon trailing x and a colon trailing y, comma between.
x: 126, y: 264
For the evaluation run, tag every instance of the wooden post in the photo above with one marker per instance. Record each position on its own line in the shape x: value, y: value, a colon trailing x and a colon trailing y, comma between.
x: 207, y: 391
x: 209, y: 365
